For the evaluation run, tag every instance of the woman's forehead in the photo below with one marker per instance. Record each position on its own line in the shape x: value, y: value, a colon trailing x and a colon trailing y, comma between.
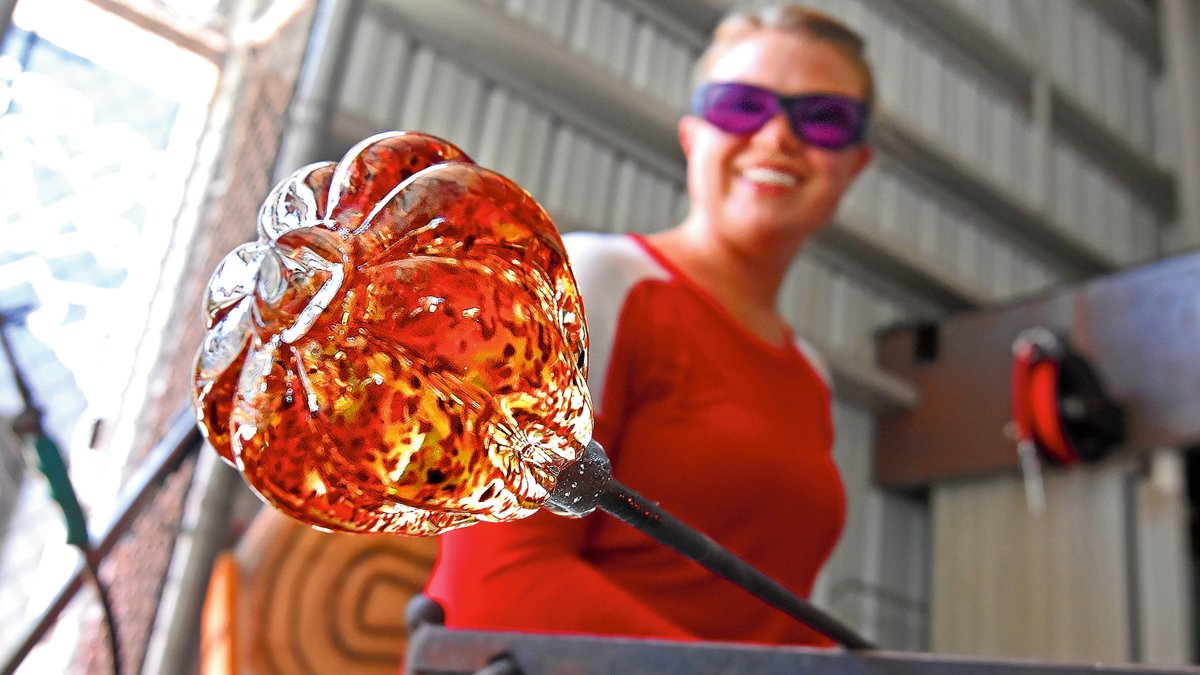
x: 789, y: 63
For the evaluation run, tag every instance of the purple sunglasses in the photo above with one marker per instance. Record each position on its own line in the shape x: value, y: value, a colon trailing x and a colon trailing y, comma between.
x: 827, y: 121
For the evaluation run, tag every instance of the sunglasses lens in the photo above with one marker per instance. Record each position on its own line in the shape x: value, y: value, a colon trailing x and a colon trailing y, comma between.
x: 830, y: 122
x: 736, y: 108
x: 824, y: 120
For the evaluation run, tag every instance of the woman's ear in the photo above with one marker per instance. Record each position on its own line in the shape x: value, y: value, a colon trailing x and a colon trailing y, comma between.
x: 687, y: 125
x: 865, y: 153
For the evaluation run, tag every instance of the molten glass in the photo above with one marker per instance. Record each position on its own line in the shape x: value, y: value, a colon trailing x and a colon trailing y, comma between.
x: 403, y: 349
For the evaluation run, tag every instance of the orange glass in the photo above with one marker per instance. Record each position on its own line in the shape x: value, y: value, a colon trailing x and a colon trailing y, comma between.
x: 403, y: 349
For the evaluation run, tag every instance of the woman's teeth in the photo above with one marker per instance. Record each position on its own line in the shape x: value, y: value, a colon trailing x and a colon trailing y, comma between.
x: 769, y: 176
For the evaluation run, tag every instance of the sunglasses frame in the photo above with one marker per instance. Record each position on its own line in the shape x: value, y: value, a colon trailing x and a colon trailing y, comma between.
x: 785, y: 104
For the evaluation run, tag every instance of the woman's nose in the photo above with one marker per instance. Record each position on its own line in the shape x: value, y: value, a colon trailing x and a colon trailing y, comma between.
x: 778, y: 131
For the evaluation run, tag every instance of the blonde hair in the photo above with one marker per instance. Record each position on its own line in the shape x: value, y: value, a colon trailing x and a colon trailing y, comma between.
x: 796, y: 19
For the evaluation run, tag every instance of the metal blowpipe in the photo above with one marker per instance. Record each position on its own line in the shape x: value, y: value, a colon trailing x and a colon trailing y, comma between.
x: 588, y: 484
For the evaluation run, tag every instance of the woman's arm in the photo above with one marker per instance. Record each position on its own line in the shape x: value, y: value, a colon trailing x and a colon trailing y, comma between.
x: 531, y: 575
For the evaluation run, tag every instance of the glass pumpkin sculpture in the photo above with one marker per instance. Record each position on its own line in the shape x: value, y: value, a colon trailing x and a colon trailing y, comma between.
x: 403, y: 349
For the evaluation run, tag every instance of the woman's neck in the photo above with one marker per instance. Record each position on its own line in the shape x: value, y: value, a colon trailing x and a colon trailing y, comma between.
x: 745, y: 283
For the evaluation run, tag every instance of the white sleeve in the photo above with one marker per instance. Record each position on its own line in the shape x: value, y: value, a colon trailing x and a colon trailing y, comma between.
x: 814, y: 358
x: 606, y: 267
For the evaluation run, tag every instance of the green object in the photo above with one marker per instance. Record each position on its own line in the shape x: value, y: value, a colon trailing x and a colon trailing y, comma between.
x: 50, y: 462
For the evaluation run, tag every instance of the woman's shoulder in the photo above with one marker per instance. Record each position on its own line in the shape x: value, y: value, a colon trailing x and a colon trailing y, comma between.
x: 814, y: 358
x: 609, y: 269
x: 609, y: 252
x: 610, y: 262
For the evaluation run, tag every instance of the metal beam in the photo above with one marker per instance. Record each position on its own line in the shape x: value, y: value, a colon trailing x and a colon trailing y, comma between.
x: 1016, y: 75
x: 205, y: 42
x: 505, y: 50
x: 1133, y: 20
x: 1180, y: 23
x: 434, y: 649
x: 1020, y: 221
x: 890, y: 268
x: 6, y: 14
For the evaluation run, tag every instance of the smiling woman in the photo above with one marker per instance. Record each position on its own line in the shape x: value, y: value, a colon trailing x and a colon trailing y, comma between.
x: 760, y: 188
x: 704, y: 398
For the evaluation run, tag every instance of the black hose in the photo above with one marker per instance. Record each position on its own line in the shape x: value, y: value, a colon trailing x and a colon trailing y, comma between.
x: 92, y: 564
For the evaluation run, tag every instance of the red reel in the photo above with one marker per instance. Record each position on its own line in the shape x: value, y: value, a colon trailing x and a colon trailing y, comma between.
x: 1058, y: 402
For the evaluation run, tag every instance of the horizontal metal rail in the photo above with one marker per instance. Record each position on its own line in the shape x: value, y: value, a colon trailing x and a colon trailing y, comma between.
x: 435, y: 649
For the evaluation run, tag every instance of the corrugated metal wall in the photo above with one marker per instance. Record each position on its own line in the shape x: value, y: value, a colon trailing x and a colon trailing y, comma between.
x: 1022, y: 144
